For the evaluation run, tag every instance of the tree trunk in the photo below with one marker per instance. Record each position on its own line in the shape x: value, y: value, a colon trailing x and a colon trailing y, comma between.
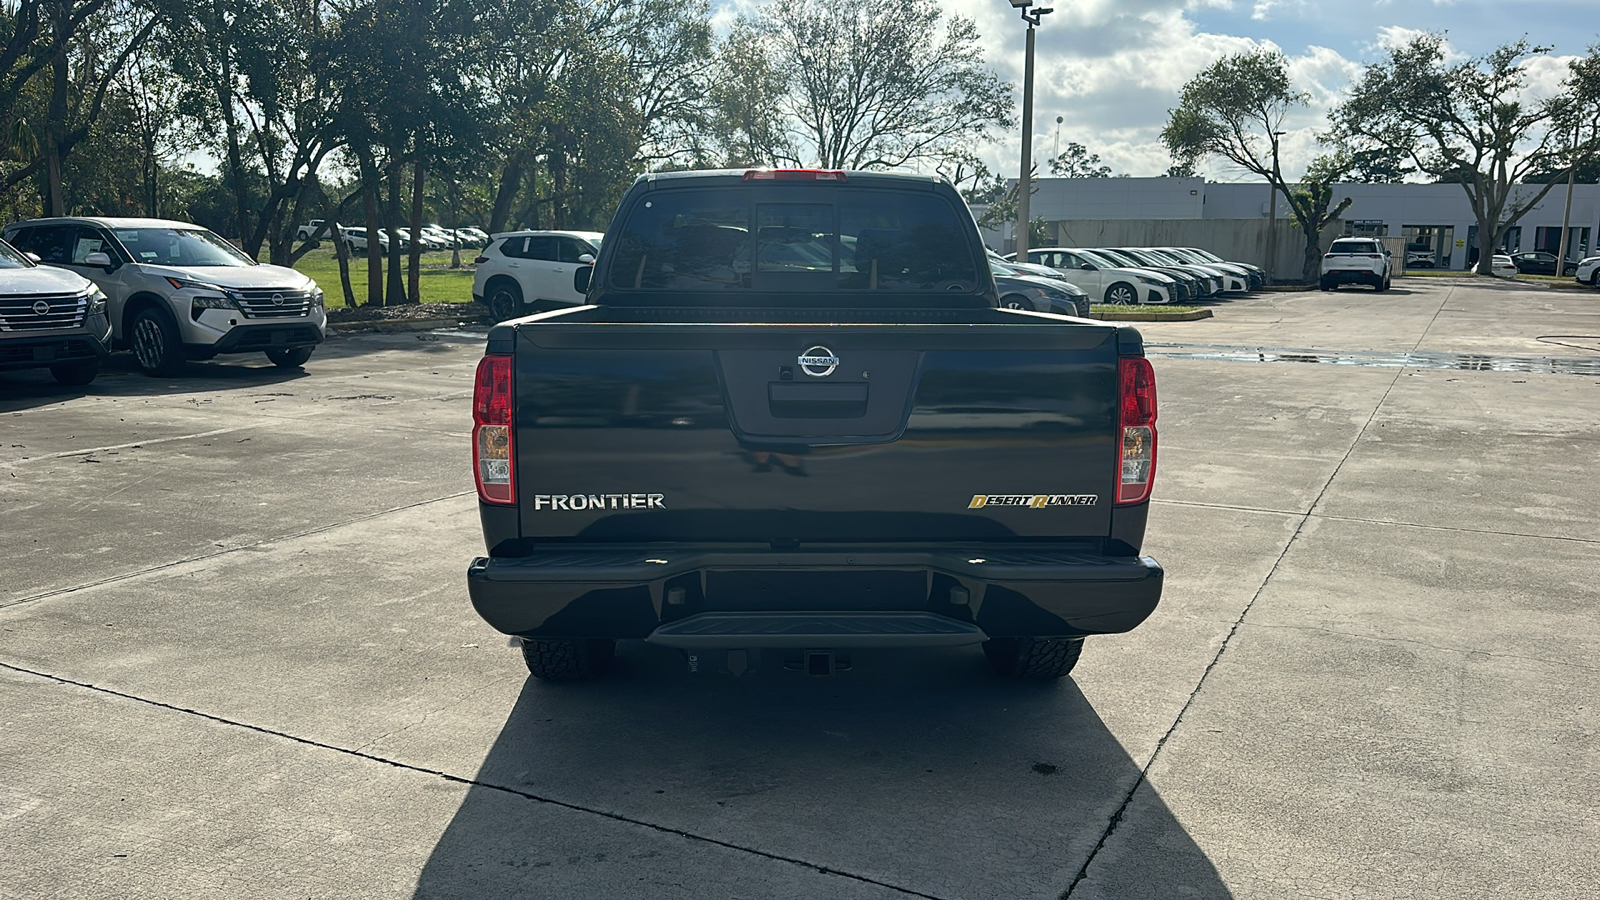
x: 369, y: 180
x: 341, y: 252
x: 505, y: 193
x: 394, y: 292
x: 55, y: 201
x: 1311, y: 266
x: 414, y: 265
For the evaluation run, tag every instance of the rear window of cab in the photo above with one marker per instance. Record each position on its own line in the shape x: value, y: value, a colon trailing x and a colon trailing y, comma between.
x: 813, y: 240
x: 1354, y: 247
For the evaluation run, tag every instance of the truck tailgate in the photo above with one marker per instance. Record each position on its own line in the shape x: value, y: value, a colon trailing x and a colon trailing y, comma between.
x: 1002, y: 427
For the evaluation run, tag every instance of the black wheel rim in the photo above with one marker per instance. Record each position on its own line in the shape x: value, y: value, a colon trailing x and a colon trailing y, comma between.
x: 503, y: 305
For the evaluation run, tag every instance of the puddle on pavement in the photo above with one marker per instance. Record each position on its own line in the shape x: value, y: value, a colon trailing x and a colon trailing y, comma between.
x: 1416, y: 359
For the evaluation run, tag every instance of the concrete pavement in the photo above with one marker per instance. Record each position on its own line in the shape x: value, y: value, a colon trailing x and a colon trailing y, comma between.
x: 236, y: 657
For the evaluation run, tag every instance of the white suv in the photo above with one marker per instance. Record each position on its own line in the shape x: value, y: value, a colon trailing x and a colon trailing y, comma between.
x: 1357, y: 260
x: 177, y: 292
x: 1589, y: 271
x: 528, y: 271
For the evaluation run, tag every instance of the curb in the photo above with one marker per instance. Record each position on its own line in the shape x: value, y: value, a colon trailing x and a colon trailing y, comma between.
x: 387, y: 326
x: 1153, y: 316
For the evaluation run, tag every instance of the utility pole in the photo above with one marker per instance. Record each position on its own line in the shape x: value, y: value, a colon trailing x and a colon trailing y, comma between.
x: 1025, y: 180
x: 1272, y: 212
x: 1566, y: 214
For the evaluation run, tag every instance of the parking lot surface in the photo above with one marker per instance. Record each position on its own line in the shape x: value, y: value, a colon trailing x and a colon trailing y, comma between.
x: 237, y: 658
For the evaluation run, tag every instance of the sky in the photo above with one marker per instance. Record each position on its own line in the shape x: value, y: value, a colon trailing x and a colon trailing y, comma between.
x: 1111, y: 69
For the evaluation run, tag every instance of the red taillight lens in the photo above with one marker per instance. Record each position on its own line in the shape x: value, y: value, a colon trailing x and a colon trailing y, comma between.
x: 794, y: 175
x: 493, y: 456
x: 1136, y: 408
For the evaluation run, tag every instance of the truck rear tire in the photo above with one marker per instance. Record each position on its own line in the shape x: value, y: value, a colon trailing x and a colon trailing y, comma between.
x: 1033, y: 659
x: 568, y: 659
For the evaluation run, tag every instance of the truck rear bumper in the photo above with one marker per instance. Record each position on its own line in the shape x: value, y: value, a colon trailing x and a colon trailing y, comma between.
x: 707, y: 597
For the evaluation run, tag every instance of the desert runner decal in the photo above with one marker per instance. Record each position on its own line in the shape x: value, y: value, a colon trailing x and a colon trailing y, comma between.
x: 1033, y: 501
x: 581, y: 502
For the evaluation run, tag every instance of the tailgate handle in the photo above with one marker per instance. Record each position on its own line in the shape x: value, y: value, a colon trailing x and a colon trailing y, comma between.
x: 788, y: 400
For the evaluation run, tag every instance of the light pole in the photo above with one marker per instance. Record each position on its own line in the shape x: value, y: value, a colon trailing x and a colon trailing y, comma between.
x: 1272, y: 211
x: 1025, y: 181
x: 1566, y: 214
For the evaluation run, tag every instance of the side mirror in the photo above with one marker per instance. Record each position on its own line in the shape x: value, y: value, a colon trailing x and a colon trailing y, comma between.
x: 580, y: 278
x: 102, y: 260
x: 587, y: 259
x: 1087, y: 267
x: 34, y: 257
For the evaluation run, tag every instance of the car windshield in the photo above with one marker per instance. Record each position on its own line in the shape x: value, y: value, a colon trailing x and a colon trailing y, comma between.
x: 11, y: 259
x: 1207, y: 256
x: 180, y: 247
x: 1099, y: 261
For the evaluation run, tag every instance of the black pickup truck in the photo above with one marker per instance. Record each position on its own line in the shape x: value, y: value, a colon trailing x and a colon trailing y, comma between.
x: 792, y: 419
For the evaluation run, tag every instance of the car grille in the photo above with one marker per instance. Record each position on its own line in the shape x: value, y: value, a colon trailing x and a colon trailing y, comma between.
x: 30, y: 351
x: 21, y: 313
x: 271, y: 303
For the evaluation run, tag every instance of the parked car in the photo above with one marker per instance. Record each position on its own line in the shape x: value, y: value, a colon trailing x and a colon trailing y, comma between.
x: 1100, y: 277
x: 1501, y: 266
x: 1588, y: 271
x: 1220, y: 280
x: 528, y: 271
x: 898, y: 474
x: 1538, y: 262
x: 177, y: 292
x: 473, y: 236
x: 1254, y: 275
x: 1419, y: 259
x: 1193, y: 284
x: 1020, y: 290
x: 1356, y: 261
x: 356, y: 239
x: 50, y: 318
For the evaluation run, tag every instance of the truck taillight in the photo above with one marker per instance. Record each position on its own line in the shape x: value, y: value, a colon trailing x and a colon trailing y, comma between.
x: 493, y: 456
x: 1136, y: 411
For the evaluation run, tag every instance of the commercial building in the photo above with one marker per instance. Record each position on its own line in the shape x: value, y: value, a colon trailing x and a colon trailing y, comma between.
x: 1434, y: 219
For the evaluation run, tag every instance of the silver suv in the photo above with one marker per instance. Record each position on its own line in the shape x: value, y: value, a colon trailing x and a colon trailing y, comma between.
x: 51, y: 319
x: 177, y: 292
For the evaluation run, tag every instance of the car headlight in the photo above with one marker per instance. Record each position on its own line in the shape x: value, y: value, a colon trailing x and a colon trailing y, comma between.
x: 318, y: 299
x: 97, y: 300
x: 1146, y: 279
x: 205, y: 302
x: 193, y: 285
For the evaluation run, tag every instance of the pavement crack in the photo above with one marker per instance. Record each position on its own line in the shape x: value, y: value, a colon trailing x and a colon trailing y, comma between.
x: 475, y: 783
x: 1233, y: 630
x: 201, y: 557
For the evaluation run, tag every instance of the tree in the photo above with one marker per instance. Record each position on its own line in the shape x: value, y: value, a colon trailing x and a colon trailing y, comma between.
x: 1477, y: 122
x: 1077, y: 162
x: 1236, y: 109
x: 867, y: 87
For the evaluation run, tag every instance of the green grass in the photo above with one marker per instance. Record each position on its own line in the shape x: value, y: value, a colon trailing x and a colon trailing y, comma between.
x: 439, y: 283
x: 1155, y: 307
